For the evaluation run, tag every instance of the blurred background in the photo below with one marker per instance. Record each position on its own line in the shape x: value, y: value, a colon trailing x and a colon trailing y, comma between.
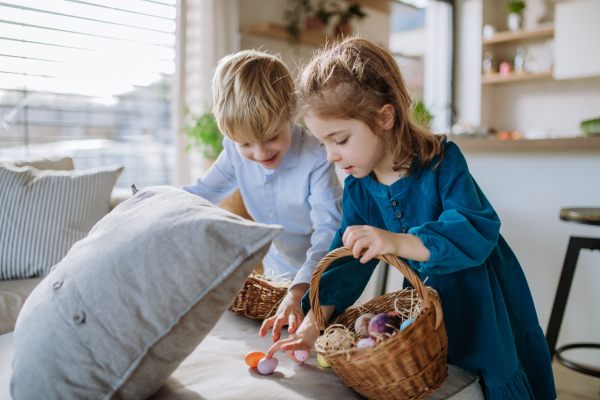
x: 516, y: 84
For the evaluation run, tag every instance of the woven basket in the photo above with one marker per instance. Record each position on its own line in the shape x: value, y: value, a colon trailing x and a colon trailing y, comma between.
x: 258, y: 299
x: 409, y: 365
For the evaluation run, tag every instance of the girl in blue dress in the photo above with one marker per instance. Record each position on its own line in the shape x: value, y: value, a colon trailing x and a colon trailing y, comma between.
x: 410, y: 193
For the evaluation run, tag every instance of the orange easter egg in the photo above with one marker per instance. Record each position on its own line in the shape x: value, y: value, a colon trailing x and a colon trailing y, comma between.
x: 253, y: 358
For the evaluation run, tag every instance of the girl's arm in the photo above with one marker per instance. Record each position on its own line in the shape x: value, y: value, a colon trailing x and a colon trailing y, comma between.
x: 220, y: 180
x: 304, y: 338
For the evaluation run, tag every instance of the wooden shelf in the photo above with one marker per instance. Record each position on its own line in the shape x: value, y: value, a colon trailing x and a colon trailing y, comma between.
x: 511, y: 36
x: 493, y: 79
x: 279, y: 32
x: 492, y: 144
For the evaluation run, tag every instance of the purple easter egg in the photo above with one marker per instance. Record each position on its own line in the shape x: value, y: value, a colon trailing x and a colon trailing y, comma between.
x: 301, y: 355
x: 267, y: 366
x: 382, y: 324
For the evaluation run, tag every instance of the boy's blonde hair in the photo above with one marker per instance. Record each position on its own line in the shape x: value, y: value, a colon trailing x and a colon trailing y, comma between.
x: 354, y: 79
x: 253, y: 93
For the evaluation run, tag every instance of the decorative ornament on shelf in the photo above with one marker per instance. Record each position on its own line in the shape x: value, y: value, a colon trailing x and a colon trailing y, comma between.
x: 515, y: 15
x: 353, y: 11
x: 294, y: 16
x: 203, y: 132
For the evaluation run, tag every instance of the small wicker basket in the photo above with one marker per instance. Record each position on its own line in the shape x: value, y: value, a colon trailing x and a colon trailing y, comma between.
x: 409, y: 365
x: 259, y: 298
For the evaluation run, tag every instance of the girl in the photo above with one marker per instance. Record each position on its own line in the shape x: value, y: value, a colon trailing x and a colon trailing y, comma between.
x: 410, y: 193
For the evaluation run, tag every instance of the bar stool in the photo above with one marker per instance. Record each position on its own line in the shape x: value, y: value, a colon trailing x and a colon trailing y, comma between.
x: 588, y: 216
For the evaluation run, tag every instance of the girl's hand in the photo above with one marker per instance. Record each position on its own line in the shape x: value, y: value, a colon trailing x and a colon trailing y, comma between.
x: 303, y: 339
x: 378, y: 242
x: 289, y: 313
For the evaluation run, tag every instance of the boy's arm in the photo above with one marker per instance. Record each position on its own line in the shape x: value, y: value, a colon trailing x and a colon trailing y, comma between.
x: 325, y: 200
x: 219, y: 181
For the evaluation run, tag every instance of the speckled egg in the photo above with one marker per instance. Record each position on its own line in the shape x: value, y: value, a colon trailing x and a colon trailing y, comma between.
x: 367, y: 342
x: 301, y: 355
x: 253, y: 358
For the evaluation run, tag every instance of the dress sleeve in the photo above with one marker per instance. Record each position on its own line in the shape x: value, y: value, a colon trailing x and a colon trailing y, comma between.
x: 325, y: 200
x: 220, y: 180
x: 467, y: 229
x: 346, y: 278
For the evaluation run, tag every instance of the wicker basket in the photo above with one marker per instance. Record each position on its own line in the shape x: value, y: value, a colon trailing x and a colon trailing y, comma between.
x: 409, y: 365
x: 258, y: 299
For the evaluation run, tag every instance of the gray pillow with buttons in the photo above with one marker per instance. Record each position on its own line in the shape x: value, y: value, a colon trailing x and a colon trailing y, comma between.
x: 130, y: 301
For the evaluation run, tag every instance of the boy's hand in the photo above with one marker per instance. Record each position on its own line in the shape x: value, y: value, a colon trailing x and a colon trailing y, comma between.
x: 289, y: 312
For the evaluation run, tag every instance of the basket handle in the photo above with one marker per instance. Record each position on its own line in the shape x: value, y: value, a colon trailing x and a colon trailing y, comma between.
x: 413, y: 278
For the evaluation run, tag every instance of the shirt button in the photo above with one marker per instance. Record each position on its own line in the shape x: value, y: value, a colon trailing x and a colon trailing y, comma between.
x: 404, y: 229
x: 394, y: 202
x: 398, y: 214
x: 57, y: 285
x: 267, y: 186
x: 79, y: 318
x: 271, y: 215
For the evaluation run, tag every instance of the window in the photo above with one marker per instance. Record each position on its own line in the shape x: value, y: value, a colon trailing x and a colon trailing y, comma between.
x: 91, y: 80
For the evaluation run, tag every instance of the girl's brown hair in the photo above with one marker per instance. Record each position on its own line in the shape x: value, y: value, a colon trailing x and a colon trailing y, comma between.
x: 354, y: 79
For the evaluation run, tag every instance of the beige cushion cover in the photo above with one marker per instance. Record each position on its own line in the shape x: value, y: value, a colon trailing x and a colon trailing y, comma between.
x: 13, y: 294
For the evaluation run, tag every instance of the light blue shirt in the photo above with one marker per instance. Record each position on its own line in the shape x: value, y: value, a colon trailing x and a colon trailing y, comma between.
x: 303, y: 195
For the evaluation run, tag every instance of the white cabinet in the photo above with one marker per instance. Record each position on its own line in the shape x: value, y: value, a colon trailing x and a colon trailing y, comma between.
x: 577, y: 34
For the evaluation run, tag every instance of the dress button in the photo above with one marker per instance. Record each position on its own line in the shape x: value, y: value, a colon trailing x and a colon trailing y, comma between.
x: 398, y: 214
x: 267, y: 186
x: 79, y: 318
x: 271, y: 215
x: 394, y: 202
x: 57, y: 285
x: 404, y: 229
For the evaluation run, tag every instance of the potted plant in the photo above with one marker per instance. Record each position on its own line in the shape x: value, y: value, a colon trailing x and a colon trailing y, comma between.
x: 204, y: 133
x: 420, y: 114
x: 294, y: 16
x: 354, y: 11
x: 318, y: 21
x: 591, y: 127
x: 515, y: 14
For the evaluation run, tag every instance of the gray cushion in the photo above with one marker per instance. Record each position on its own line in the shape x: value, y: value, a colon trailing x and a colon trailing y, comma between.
x: 130, y: 301
x: 42, y: 213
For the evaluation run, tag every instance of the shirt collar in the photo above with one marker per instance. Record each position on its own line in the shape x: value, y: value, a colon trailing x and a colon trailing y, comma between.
x: 292, y: 157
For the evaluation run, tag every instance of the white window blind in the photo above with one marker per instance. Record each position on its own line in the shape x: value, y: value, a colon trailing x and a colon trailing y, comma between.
x: 89, y: 79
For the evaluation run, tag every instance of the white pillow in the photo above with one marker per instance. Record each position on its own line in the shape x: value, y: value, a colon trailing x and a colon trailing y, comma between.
x: 130, y: 301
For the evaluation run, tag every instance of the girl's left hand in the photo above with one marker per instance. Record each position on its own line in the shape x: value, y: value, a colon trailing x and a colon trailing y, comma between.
x: 376, y: 241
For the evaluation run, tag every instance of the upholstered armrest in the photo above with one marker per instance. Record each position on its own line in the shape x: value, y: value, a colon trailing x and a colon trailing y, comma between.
x: 118, y: 196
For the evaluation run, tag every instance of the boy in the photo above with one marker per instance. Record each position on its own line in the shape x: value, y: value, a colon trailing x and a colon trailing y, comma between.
x: 281, y: 170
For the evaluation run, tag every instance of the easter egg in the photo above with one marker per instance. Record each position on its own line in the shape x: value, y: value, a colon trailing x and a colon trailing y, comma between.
x: 361, y: 325
x: 267, y: 366
x: 253, y: 358
x: 322, y: 361
x: 382, y: 324
x: 367, y: 342
x: 406, y: 323
x: 301, y: 355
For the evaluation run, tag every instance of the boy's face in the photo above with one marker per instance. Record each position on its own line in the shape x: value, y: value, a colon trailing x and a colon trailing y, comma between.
x: 268, y: 153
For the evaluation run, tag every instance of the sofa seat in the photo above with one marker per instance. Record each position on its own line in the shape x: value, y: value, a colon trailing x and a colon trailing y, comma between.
x: 13, y: 294
x: 216, y: 370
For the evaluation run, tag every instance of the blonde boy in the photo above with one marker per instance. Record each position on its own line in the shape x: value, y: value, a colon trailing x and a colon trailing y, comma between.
x: 281, y: 170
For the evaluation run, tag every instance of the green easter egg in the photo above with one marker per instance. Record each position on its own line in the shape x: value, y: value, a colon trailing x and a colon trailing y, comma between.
x: 322, y: 361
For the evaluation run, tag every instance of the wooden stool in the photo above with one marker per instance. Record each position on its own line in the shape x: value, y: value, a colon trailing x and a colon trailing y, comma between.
x: 588, y: 216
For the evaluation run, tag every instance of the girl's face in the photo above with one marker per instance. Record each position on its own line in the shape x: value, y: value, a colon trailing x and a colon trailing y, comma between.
x: 268, y: 153
x: 349, y: 143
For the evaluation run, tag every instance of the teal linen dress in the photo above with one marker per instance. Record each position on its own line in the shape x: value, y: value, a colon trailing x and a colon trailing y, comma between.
x: 490, y: 318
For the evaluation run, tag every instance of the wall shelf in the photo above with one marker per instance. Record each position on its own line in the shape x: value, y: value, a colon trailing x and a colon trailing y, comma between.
x: 279, y: 32
x: 492, y: 144
x: 493, y: 79
x: 510, y: 36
